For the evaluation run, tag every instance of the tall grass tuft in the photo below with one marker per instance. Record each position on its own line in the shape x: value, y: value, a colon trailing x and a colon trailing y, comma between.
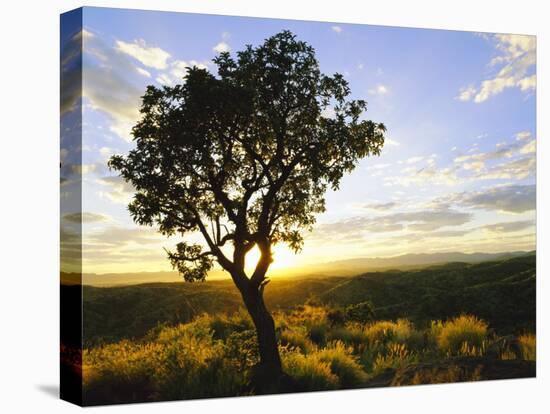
x: 461, y: 334
x: 528, y: 345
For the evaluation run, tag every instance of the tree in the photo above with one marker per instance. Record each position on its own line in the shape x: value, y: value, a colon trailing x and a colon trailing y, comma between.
x: 244, y: 158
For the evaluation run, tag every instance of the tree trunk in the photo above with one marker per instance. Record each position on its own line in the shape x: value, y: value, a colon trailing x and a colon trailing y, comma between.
x: 268, y: 374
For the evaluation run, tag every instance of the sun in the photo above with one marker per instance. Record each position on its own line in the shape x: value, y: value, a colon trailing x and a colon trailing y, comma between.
x: 283, y: 258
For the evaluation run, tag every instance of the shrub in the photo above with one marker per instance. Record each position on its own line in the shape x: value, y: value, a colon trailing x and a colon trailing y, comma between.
x: 223, y: 326
x: 336, y: 317
x: 351, y: 334
x: 296, y: 337
x: 242, y: 349
x: 323, y: 369
x: 463, y: 332
x: 361, y: 312
x: 343, y: 363
x: 309, y: 371
x: 528, y: 345
x: 318, y: 333
x: 402, y: 332
x: 180, y: 362
x: 395, y: 355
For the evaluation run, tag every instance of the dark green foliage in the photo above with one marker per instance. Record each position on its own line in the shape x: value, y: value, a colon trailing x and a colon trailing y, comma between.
x: 502, y: 293
x: 245, y: 156
x: 361, y: 312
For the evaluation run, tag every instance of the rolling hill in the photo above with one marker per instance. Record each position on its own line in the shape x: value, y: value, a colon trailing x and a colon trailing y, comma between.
x: 500, y: 291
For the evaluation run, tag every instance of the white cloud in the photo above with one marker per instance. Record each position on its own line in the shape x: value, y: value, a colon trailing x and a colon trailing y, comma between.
x: 178, y: 71
x: 379, y: 90
x: 119, y: 190
x: 164, y: 79
x: 428, y: 175
x: 221, y: 47
x: 336, y: 29
x: 517, y: 58
x: 391, y: 142
x: 153, y: 57
x: 529, y: 148
x: 143, y: 72
x: 414, y: 160
x: 519, y: 163
x: 523, y: 135
x: 466, y: 93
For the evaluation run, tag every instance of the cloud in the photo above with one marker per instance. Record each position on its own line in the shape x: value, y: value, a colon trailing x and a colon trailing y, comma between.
x: 431, y: 220
x: 519, y: 163
x: 178, y: 71
x: 509, y: 227
x: 516, y: 60
x: 508, y: 199
x: 391, y: 142
x: 336, y: 29
x: 119, y: 190
x: 143, y: 72
x: 119, y: 236
x: 518, y: 169
x: 381, y: 206
x: 414, y: 160
x: 107, y: 87
x: 379, y: 90
x: 355, y: 228
x: 520, y: 136
x: 429, y: 174
x: 153, y: 57
x: 85, y: 217
x: 467, y: 93
x: 222, y: 47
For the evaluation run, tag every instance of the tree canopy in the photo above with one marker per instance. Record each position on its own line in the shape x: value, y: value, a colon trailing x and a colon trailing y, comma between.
x: 244, y: 156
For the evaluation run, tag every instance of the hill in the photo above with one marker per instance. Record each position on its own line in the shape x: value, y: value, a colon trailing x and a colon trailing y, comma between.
x: 501, y: 292
x: 348, y: 267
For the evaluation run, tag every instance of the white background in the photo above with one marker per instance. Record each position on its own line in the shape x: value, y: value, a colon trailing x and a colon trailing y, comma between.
x: 29, y: 204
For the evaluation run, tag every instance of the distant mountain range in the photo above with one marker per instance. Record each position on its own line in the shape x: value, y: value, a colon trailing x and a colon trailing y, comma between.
x: 408, y: 261
x: 337, y: 268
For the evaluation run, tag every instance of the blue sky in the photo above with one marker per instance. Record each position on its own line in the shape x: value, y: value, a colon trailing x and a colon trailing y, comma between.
x: 457, y: 172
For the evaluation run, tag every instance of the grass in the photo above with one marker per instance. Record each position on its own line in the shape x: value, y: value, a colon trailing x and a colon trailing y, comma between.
x: 168, y: 341
x: 464, y: 335
x: 212, y: 355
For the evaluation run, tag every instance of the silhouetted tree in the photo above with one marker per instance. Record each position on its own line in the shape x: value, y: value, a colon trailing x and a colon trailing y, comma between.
x: 244, y: 158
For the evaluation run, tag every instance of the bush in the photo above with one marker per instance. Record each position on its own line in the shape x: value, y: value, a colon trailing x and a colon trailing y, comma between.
x: 323, y: 369
x: 395, y: 355
x: 318, y: 333
x: 528, y: 345
x: 181, y: 362
x: 343, y: 363
x: 351, y: 334
x: 463, y: 332
x: 361, y: 312
x: 309, y: 371
x: 402, y: 332
x: 296, y: 337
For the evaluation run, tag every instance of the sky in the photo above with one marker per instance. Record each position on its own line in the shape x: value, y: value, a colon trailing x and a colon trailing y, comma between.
x: 457, y: 171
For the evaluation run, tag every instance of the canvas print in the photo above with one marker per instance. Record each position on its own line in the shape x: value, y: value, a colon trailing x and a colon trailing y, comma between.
x: 258, y: 206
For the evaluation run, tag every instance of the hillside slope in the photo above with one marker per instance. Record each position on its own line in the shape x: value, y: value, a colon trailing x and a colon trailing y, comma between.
x: 501, y: 292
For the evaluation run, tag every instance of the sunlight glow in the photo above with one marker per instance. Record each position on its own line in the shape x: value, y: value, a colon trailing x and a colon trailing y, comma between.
x: 283, y: 258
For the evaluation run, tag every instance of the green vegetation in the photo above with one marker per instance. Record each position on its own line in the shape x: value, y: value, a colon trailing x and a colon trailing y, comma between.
x: 501, y: 293
x: 174, y: 341
x: 212, y: 356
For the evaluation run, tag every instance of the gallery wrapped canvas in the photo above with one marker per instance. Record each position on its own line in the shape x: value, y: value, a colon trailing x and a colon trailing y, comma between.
x: 258, y: 206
